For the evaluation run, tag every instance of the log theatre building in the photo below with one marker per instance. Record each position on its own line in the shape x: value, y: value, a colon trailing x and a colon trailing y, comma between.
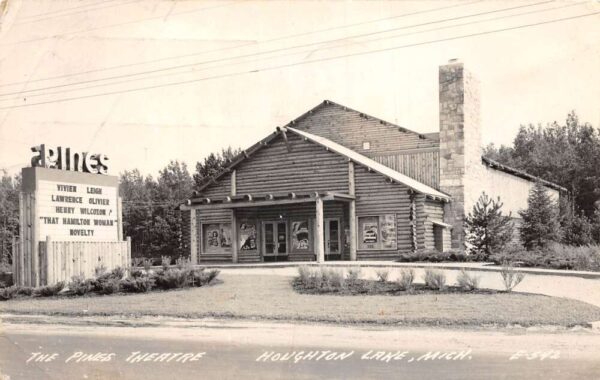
x: 337, y: 184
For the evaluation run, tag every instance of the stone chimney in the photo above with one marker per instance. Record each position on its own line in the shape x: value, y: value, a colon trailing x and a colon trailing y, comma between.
x: 460, y: 144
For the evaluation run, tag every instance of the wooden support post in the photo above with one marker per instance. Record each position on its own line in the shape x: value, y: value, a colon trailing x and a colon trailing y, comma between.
x: 319, y: 238
x: 193, y: 237
x: 233, y: 183
x: 48, y: 261
x: 352, y: 211
x: 234, y: 238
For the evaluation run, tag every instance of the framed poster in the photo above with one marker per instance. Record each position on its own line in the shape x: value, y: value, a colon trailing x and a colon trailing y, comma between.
x: 300, y: 235
x: 247, y: 236
x: 369, y: 232
x: 387, y: 227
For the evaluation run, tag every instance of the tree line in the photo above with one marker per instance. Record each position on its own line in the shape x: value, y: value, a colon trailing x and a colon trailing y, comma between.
x: 569, y: 155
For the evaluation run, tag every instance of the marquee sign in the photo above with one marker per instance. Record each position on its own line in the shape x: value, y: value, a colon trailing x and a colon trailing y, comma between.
x: 68, y: 159
x: 70, y: 211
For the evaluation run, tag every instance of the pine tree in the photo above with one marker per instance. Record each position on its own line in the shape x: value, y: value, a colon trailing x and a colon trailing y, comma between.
x: 487, y: 229
x: 540, y: 220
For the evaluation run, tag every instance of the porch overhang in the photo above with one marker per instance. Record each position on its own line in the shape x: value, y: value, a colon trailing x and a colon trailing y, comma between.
x: 263, y: 200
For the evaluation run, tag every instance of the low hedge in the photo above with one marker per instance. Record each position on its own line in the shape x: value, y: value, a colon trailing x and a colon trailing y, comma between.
x: 555, y: 256
x: 119, y: 281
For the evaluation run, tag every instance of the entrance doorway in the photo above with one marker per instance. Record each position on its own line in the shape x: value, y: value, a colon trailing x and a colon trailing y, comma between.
x: 275, y: 242
x: 332, y: 238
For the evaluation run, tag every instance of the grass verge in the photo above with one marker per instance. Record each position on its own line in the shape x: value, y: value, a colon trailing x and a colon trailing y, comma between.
x: 273, y: 298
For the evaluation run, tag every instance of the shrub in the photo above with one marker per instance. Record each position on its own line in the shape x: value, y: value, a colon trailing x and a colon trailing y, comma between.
x: 435, y: 256
x: 99, y: 270
x: 434, y: 279
x: 118, y: 273
x: 304, y: 275
x: 137, y: 261
x: 510, y: 277
x: 49, y: 290
x: 109, y: 286
x: 577, y: 229
x: 147, y: 264
x: 555, y: 256
x: 14, y: 291
x: 467, y: 281
x: 333, y: 278
x: 137, y: 284
x: 165, y: 262
x: 172, y: 279
x: 353, y: 274
x: 135, y: 273
x: 201, y: 277
x: 382, y: 274
x: 80, y: 285
x: 406, y: 279
x: 183, y: 263
x: 487, y: 229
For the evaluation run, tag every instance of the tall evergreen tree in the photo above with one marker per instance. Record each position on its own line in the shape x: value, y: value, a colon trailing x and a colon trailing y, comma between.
x: 540, y: 220
x: 487, y: 229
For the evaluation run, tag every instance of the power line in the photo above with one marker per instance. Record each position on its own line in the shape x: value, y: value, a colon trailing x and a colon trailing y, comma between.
x: 240, y: 46
x: 120, y: 4
x: 121, y: 24
x: 275, y: 50
x: 306, y: 62
x: 288, y: 54
x: 68, y: 9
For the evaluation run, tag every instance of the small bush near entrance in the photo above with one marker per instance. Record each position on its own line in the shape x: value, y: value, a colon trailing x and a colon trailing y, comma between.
x: 434, y: 279
x: 406, y: 279
x: 467, y: 281
x: 382, y: 274
x: 510, y: 277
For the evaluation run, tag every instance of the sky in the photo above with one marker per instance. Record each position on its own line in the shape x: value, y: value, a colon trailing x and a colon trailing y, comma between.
x: 147, y: 81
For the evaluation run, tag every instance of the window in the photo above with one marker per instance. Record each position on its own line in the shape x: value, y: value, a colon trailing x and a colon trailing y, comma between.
x: 300, y: 236
x: 366, y: 145
x: 216, y: 237
x: 377, y: 232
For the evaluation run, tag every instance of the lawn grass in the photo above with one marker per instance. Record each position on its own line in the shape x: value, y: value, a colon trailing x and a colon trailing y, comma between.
x: 272, y: 297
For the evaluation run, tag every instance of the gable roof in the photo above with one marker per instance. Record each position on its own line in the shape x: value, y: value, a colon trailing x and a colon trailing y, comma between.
x: 327, y: 102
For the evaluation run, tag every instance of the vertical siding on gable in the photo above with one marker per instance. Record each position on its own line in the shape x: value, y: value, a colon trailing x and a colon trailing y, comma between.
x: 422, y: 166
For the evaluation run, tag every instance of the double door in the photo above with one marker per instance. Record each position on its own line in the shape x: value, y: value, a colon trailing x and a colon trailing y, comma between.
x: 275, y: 242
